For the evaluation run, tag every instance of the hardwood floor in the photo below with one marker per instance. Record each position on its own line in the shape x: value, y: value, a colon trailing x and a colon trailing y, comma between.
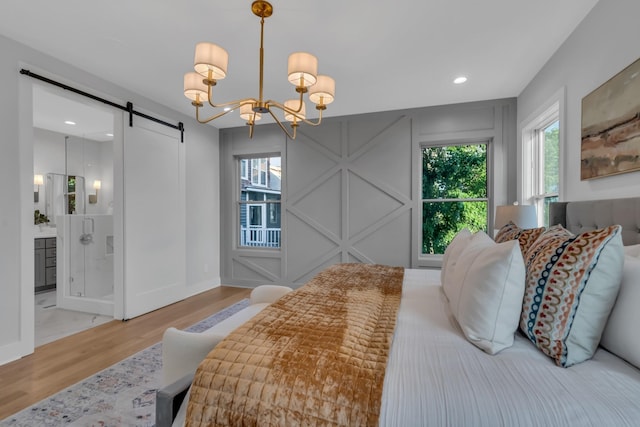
x: 59, y: 364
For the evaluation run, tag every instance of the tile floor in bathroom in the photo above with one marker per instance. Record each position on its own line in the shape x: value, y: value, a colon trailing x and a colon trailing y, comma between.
x: 53, y: 323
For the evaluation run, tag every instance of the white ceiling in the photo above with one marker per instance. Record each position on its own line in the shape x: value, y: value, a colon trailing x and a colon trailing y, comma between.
x: 54, y: 112
x: 383, y: 55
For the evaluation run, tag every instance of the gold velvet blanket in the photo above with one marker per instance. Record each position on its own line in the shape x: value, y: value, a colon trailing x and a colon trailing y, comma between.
x: 315, y: 357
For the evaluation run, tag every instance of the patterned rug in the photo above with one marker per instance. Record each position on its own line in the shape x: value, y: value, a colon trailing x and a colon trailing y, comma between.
x: 121, y: 395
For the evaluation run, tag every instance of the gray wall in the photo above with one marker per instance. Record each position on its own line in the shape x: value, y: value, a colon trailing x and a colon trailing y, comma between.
x: 351, y: 187
x: 604, y: 43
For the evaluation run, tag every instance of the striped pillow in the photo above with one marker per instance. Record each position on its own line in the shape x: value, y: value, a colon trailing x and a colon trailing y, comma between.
x: 570, y: 287
x: 513, y: 232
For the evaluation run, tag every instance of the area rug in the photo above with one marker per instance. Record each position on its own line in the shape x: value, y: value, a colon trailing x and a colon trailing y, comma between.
x: 121, y: 395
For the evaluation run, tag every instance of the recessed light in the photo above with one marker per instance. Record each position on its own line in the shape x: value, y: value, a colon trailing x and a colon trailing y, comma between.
x: 69, y: 122
x: 109, y: 134
x: 460, y: 80
x: 227, y: 108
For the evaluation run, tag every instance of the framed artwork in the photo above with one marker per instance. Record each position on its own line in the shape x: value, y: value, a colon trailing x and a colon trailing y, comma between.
x: 611, y: 126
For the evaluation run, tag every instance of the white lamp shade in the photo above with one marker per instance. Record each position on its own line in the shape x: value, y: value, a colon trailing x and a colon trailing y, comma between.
x: 294, y: 104
x: 194, y: 87
x: 524, y: 216
x: 212, y: 57
x: 38, y: 180
x: 323, y: 90
x: 97, y: 184
x: 247, y: 113
x: 302, y: 65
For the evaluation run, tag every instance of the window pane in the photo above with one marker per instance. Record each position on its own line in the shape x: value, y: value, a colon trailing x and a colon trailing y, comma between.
x: 545, y: 214
x: 259, y: 220
x: 255, y: 172
x: 255, y: 215
x: 273, y: 217
x: 551, y: 158
x: 243, y: 169
x: 454, y: 172
x: 442, y: 220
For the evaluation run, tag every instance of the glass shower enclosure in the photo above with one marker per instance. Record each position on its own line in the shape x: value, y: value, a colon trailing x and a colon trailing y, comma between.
x: 78, y: 202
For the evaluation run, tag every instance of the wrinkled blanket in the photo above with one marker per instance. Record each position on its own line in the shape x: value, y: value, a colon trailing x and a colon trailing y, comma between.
x: 317, y: 356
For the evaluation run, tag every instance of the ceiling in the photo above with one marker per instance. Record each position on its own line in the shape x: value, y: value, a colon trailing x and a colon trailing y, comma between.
x: 383, y: 55
x: 69, y: 117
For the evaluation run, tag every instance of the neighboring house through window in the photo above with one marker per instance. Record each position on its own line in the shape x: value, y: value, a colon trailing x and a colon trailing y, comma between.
x: 259, y: 202
x: 454, y: 192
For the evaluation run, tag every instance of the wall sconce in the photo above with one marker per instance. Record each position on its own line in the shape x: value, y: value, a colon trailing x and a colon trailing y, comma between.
x: 93, y: 198
x: 524, y: 216
x: 38, y: 180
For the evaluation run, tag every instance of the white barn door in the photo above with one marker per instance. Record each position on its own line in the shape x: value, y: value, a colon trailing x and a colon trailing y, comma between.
x: 154, y: 218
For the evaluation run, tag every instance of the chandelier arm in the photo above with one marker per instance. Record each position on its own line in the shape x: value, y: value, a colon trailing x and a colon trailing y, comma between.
x: 236, y: 103
x: 215, y: 116
x: 295, y: 113
x: 315, y: 123
x: 282, y: 126
x: 284, y: 108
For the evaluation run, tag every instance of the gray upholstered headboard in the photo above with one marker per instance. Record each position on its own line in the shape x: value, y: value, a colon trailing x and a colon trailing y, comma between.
x: 582, y: 216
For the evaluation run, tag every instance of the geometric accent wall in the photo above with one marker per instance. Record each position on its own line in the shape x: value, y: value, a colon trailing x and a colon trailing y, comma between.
x: 355, y: 203
x: 348, y: 193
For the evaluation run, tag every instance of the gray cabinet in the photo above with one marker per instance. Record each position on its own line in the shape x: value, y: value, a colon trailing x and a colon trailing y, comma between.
x: 45, y: 263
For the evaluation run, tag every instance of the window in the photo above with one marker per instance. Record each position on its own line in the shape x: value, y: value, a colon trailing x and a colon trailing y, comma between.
x: 259, y: 202
x: 259, y: 172
x: 454, y: 193
x: 541, y: 161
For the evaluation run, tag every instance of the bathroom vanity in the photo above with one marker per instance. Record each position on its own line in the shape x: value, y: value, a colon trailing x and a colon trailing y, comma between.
x: 45, y: 252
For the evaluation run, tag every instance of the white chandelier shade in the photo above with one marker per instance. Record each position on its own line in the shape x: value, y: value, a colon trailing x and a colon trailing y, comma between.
x: 194, y: 87
x: 302, y: 69
x: 247, y: 113
x: 210, y: 65
x: 323, y: 91
x: 211, y: 57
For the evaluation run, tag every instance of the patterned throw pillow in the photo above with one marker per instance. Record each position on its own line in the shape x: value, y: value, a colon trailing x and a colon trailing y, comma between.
x: 571, y: 285
x: 513, y: 232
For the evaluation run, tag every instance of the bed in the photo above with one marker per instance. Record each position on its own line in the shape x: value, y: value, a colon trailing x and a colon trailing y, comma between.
x: 449, y: 364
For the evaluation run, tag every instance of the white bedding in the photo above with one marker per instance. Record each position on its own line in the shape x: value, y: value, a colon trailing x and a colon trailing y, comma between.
x: 435, y: 377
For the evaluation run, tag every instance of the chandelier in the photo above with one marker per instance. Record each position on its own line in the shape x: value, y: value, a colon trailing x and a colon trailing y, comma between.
x: 210, y: 65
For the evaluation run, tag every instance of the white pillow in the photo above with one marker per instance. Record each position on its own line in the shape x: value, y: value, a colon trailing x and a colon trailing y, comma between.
x: 451, y: 254
x: 486, y: 291
x: 620, y: 335
x: 632, y: 250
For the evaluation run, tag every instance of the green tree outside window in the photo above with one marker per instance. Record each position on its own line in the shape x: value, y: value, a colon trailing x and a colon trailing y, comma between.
x: 454, y: 193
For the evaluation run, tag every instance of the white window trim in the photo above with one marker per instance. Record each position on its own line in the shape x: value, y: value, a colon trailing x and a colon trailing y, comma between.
x: 542, y: 116
x: 246, y: 164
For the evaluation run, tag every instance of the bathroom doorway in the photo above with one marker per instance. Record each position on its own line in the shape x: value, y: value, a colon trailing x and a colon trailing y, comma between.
x: 74, y: 153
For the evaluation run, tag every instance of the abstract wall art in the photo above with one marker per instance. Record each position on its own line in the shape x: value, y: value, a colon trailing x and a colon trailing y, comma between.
x: 611, y: 126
